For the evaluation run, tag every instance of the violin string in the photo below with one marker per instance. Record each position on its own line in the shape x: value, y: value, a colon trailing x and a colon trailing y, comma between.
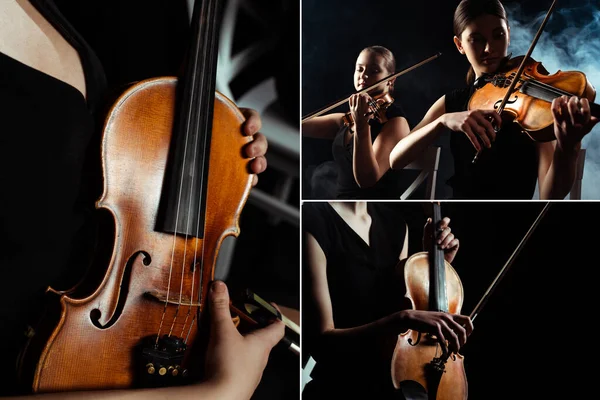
x: 174, y: 243
x: 188, y: 120
x: 203, y: 250
x: 210, y: 21
x: 213, y: 53
x: 545, y: 88
x: 520, y: 69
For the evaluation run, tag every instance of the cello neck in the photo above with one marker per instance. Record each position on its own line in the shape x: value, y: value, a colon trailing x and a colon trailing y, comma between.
x: 438, y: 298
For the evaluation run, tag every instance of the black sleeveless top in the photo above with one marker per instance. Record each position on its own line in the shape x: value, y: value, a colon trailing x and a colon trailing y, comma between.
x: 361, y: 289
x: 508, y: 170
x: 47, y: 127
x: 388, y: 187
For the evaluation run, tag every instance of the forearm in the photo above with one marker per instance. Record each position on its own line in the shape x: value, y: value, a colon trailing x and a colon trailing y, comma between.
x: 322, y: 127
x: 414, y: 144
x: 561, y: 174
x: 364, y: 163
x: 365, y: 338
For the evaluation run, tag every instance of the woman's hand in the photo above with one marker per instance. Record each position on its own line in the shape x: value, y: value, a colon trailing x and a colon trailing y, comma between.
x: 444, y: 238
x: 572, y: 121
x: 448, y: 328
x: 475, y: 124
x: 359, y: 107
x: 257, y: 148
x: 235, y: 363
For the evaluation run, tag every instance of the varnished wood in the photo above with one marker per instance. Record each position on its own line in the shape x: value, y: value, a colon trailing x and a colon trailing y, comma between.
x: 533, y: 115
x: 78, y: 354
x: 410, y: 361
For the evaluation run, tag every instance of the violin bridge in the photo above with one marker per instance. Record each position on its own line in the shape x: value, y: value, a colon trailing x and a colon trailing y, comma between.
x: 173, y: 299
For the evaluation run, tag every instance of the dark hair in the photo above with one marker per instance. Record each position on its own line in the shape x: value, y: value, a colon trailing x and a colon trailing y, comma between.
x: 469, y: 10
x: 388, y: 57
x: 389, y: 61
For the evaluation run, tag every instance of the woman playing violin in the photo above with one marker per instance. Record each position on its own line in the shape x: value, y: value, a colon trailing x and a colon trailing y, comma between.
x: 52, y: 88
x: 351, y: 305
x: 362, y: 150
x: 511, y: 163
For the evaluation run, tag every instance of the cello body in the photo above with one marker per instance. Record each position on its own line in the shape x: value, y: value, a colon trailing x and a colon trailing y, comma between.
x: 156, y: 282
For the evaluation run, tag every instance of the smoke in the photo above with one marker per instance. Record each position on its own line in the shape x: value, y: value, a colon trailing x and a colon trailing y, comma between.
x: 570, y: 42
x: 321, y: 181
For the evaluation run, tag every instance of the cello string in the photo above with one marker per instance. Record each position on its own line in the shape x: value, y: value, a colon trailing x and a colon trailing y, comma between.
x: 508, y: 264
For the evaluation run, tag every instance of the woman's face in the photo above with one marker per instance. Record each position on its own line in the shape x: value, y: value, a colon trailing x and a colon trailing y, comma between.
x: 370, y: 68
x: 485, y: 43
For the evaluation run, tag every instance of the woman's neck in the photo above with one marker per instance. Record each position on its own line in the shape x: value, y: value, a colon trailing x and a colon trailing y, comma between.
x: 355, y: 208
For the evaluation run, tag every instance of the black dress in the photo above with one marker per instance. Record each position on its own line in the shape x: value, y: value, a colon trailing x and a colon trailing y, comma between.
x: 47, y: 129
x: 508, y: 170
x: 388, y: 187
x: 361, y: 290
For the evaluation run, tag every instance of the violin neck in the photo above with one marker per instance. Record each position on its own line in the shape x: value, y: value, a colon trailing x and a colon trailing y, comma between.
x: 185, y: 195
x: 595, y: 110
x: 543, y: 91
x: 438, y: 298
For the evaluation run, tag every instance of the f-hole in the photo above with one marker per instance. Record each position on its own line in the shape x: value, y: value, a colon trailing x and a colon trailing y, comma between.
x: 497, y: 104
x: 96, y: 314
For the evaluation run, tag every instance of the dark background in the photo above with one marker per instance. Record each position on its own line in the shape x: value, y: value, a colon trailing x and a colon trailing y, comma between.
x: 534, y: 336
x: 334, y: 32
x: 139, y: 39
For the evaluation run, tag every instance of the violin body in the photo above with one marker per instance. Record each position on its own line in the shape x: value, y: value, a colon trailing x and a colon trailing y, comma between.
x: 378, y: 106
x: 414, y: 352
x: 156, y: 283
x: 530, y: 103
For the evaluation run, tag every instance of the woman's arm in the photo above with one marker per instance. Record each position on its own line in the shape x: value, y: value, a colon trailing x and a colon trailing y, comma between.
x: 372, y: 160
x: 557, y: 161
x: 322, y: 127
x: 334, y: 341
x: 475, y: 124
x: 420, y: 138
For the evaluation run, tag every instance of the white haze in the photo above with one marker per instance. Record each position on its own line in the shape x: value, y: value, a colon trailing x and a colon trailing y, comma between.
x: 575, y: 47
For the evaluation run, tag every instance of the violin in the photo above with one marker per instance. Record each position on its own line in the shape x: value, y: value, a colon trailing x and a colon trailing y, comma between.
x: 523, y: 92
x: 431, y: 283
x: 378, y: 105
x: 530, y: 100
x: 175, y: 183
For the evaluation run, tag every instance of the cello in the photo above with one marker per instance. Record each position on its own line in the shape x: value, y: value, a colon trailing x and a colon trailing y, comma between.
x: 430, y: 283
x: 175, y: 183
